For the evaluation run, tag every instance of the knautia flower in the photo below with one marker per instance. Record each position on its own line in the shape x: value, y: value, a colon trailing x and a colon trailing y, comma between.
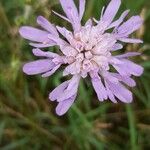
x: 87, y: 51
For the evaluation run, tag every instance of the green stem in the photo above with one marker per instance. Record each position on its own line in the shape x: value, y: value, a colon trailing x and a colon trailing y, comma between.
x: 132, y: 128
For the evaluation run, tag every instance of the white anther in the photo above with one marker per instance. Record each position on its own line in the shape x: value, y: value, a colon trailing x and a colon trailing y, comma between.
x: 70, y: 60
x: 88, y: 55
x: 80, y: 57
x: 87, y: 65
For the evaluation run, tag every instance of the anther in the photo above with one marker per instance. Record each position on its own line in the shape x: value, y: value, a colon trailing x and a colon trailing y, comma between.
x: 88, y: 55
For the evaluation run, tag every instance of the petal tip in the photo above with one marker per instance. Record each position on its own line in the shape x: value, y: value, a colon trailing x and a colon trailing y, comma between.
x: 21, y: 31
x: 26, y: 69
x: 142, y: 70
x: 39, y: 19
x: 129, y: 101
x: 60, y: 112
x: 51, y: 97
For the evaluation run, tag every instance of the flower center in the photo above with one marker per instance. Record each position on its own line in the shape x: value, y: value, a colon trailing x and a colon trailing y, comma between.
x: 91, y: 51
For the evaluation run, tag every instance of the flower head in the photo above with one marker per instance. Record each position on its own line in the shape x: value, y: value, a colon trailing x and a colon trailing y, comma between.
x: 87, y: 51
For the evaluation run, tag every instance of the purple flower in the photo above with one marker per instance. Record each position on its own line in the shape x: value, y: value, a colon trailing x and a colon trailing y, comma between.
x: 88, y: 50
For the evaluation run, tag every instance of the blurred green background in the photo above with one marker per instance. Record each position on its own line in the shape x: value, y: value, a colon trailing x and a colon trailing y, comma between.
x: 27, y: 118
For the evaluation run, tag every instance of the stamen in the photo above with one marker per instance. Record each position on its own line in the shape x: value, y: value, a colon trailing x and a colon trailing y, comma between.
x: 88, y: 55
x: 80, y: 57
x: 87, y: 65
x: 61, y: 16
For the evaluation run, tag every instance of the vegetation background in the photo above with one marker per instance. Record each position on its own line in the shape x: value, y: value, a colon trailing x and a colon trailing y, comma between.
x: 27, y: 118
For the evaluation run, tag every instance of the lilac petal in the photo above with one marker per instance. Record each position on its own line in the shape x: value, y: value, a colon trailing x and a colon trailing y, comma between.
x: 39, y: 45
x: 129, y: 40
x: 73, y: 68
x: 107, y: 75
x: 111, y: 11
x: 129, y: 68
x: 58, y: 60
x: 136, y: 70
x: 33, y: 34
x: 99, y: 88
x: 115, y: 61
x: 129, y: 54
x: 81, y: 8
x: 122, y: 70
x: 69, y: 8
x: 104, y: 45
x: 57, y: 40
x: 128, y: 81
x: 71, y: 89
x: 38, y: 66
x: 66, y: 33
x: 69, y: 51
x: 40, y: 53
x: 47, y: 25
x: 125, y: 79
x: 58, y: 91
x: 116, y: 47
x: 109, y: 93
x: 63, y: 106
x: 74, y: 81
x: 121, y: 92
x: 119, y: 21
x: 49, y: 73
x: 71, y: 12
x: 130, y: 26
x: 63, y: 31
